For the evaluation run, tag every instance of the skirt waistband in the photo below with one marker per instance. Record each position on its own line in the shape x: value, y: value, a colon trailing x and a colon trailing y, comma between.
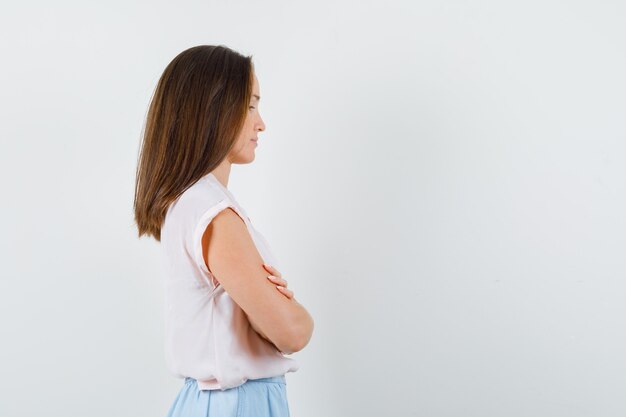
x: 280, y: 379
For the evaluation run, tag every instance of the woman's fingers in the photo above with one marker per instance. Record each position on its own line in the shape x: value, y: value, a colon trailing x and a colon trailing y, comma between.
x: 281, y: 285
x: 277, y: 280
x: 285, y: 291
x: 273, y: 270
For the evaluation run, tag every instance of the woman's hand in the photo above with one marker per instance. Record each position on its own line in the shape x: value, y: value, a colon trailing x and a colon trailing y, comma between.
x: 277, y: 279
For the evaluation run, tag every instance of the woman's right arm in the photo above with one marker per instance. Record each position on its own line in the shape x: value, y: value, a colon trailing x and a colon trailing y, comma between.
x: 234, y: 260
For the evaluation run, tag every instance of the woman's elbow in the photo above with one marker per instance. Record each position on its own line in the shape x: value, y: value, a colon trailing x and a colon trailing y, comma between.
x: 300, y: 336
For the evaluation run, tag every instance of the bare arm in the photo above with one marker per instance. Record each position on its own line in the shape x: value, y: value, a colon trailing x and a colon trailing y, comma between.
x: 260, y: 332
x: 235, y: 262
x: 283, y: 350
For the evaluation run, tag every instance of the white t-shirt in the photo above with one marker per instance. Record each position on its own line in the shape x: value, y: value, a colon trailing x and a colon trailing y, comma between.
x: 207, y: 335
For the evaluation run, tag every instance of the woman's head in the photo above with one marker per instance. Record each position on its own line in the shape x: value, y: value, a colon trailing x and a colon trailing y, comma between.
x: 200, y: 115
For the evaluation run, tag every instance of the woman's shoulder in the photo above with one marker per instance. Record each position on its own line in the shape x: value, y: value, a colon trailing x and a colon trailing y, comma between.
x: 197, y: 199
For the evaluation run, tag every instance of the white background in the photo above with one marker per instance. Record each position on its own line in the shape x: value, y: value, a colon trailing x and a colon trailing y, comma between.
x: 443, y: 182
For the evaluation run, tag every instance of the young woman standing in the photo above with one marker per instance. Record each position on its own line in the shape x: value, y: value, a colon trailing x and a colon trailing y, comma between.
x: 230, y: 319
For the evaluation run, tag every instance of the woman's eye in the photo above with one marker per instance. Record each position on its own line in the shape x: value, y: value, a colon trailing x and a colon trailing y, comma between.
x: 251, y: 107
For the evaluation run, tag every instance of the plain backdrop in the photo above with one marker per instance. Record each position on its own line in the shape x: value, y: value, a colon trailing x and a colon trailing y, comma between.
x: 443, y: 182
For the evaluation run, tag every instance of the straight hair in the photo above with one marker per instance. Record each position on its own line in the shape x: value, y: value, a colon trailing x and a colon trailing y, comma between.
x: 195, y: 116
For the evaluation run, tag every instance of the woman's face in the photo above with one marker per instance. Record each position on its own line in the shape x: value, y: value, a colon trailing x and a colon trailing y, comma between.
x: 244, y: 149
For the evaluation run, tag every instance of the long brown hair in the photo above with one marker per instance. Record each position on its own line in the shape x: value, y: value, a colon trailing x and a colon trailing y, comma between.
x: 196, y: 113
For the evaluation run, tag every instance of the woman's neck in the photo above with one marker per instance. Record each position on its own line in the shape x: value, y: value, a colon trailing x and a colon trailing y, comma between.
x: 222, y: 172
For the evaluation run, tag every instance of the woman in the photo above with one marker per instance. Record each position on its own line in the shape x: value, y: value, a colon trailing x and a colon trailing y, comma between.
x: 230, y: 319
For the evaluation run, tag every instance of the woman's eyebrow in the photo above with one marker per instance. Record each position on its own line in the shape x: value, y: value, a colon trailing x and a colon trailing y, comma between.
x: 257, y: 97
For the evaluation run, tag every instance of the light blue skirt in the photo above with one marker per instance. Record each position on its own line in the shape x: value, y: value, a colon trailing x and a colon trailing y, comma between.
x: 264, y: 397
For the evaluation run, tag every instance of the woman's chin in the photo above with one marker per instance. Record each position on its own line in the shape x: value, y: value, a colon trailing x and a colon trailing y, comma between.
x: 245, y: 160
